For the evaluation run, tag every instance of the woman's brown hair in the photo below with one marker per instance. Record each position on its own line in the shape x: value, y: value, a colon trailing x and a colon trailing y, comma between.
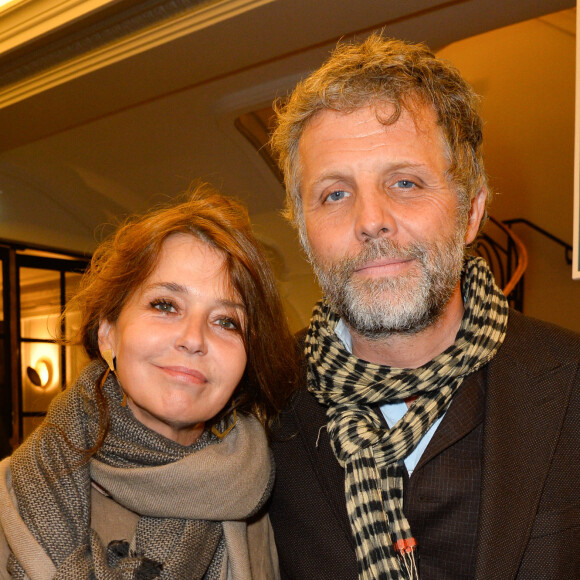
x: 123, y: 262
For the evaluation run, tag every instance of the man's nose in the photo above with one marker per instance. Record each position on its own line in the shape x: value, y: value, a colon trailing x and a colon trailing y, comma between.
x: 374, y: 214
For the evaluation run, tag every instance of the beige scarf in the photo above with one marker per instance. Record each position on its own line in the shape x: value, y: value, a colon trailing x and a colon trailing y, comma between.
x: 186, y: 496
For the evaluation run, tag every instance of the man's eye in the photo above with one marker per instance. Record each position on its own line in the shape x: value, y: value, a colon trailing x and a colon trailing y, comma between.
x: 163, y: 306
x: 337, y: 195
x: 405, y: 184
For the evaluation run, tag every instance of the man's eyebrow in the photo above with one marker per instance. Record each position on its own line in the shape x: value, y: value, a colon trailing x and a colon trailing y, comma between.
x: 329, y: 176
x: 337, y: 174
x: 181, y: 289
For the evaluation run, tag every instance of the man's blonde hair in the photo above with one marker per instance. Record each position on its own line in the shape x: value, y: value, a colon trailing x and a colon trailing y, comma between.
x: 384, y: 71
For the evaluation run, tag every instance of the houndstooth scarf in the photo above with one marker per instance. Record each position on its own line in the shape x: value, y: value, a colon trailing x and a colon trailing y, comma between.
x: 373, y: 454
x: 182, y: 493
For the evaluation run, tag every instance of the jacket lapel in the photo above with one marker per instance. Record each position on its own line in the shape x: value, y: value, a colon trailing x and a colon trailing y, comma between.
x: 464, y: 414
x: 311, y: 420
x: 526, y: 401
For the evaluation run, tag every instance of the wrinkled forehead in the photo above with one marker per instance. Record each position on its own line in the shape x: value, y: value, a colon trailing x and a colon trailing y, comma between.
x: 423, y: 115
x: 386, y: 110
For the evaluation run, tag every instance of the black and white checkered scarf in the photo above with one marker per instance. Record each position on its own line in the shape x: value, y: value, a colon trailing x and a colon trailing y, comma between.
x: 372, y: 454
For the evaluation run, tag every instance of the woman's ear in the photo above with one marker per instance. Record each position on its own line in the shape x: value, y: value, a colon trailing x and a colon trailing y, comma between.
x: 105, y: 336
x: 106, y: 342
x: 476, y: 213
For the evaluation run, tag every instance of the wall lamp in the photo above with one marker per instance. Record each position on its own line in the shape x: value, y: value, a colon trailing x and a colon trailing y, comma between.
x: 40, y: 374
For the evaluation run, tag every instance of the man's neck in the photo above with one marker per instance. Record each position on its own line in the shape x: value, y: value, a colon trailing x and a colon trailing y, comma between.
x: 413, y: 350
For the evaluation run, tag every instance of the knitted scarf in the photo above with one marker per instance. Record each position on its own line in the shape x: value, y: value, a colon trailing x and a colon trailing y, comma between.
x: 372, y: 454
x: 183, y: 494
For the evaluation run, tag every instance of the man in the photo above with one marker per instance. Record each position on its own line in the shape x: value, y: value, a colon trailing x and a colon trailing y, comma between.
x: 436, y: 436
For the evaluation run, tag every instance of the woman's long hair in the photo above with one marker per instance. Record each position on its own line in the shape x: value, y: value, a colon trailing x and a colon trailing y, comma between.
x: 123, y: 262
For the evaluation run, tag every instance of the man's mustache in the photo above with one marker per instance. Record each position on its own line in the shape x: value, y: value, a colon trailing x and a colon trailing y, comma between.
x: 375, y: 250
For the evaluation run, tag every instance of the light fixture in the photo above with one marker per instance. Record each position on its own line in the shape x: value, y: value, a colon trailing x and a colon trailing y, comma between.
x: 40, y: 374
x: 4, y: 2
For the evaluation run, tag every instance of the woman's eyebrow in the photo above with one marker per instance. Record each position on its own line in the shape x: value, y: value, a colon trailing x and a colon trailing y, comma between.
x: 232, y: 304
x: 171, y: 286
x: 181, y: 289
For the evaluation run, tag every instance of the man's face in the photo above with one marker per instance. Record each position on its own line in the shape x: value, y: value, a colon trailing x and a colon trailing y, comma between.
x: 384, y: 230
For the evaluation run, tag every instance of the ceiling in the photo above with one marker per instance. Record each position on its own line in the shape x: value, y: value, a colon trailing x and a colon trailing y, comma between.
x: 107, y: 106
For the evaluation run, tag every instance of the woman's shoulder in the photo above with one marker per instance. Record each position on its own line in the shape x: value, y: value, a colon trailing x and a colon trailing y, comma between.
x: 16, y: 537
x: 4, y: 496
x: 4, y: 553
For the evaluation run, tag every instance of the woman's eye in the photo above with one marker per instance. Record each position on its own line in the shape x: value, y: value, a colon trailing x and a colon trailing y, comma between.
x: 227, y: 323
x: 337, y: 195
x: 163, y: 306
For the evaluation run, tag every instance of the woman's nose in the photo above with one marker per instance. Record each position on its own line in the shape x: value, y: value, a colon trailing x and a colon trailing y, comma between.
x: 191, y: 335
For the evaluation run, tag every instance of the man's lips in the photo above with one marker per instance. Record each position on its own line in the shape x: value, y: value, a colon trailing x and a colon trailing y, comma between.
x: 383, y: 266
x: 184, y: 374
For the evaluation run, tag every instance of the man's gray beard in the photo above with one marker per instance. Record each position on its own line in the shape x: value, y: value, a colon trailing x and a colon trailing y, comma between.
x: 404, y: 304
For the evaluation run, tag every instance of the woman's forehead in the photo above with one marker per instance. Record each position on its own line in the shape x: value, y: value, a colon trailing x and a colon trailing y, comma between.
x: 185, y: 259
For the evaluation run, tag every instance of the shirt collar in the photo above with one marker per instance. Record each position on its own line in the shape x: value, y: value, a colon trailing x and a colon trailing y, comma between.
x: 343, y: 334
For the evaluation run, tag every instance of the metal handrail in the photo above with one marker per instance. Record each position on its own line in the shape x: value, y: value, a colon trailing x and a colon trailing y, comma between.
x: 507, y: 261
x: 521, y: 254
x: 567, y: 247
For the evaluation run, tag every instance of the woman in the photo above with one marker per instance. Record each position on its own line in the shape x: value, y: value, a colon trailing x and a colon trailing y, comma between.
x: 155, y: 463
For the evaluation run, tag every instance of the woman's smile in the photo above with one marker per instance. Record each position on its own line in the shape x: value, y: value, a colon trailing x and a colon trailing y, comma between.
x: 184, y: 374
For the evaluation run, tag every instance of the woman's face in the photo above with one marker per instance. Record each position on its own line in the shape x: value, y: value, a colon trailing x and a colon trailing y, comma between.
x: 178, y: 344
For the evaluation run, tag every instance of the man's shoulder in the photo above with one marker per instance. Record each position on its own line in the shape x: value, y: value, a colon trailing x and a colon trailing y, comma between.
x: 302, y: 411
x: 528, y: 337
x: 534, y: 356
x: 303, y: 403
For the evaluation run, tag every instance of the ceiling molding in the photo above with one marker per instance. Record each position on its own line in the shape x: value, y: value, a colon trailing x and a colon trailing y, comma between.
x: 28, y: 20
x: 34, y: 69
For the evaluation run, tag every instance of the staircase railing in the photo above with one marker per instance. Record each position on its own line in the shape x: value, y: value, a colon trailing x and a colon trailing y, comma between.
x: 567, y: 247
x: 508, y: 261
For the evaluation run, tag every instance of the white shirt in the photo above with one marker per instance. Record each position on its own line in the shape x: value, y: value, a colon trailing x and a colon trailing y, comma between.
x: 392, y: 412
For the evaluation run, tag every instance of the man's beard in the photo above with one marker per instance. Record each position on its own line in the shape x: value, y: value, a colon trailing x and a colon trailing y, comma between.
x: 404, y: 304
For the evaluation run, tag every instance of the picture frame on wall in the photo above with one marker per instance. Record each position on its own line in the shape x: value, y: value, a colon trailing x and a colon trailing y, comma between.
x: 576, y: 243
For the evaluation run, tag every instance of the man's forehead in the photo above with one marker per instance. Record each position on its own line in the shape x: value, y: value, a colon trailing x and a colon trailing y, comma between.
x: 423, y: 115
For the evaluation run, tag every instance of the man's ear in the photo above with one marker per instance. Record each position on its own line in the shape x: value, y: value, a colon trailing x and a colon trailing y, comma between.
x: 105, y: 336
x: 476, y: 213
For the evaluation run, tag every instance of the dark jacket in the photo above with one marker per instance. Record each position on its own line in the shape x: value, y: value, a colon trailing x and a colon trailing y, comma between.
x: 528, y: 524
